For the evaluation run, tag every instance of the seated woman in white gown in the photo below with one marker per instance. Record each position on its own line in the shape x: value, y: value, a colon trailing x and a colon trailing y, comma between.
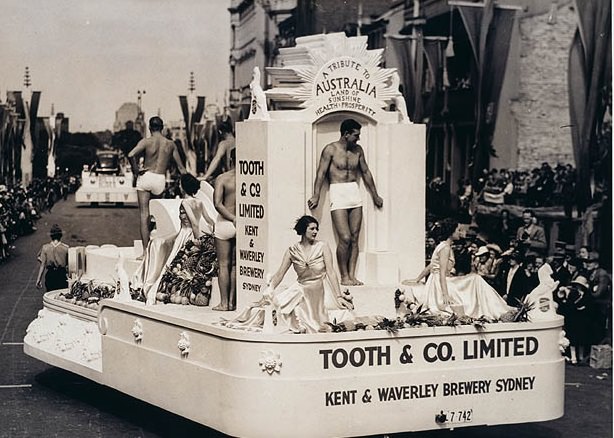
x: 160, y: 252
x: 469, y: 294
x: 302, y: 305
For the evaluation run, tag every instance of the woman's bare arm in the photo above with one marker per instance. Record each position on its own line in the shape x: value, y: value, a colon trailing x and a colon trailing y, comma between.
x: 444, y: 255
x: 281, y: 272
x: 191, y: 216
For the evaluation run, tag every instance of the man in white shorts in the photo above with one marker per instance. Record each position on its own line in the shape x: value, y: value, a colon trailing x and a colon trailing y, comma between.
x: 152, y: 177
x: 343, y: 162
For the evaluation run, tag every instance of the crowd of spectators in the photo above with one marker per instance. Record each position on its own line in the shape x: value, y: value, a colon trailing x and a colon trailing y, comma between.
x: 509, y: 261
x: 21, y: 207
x: 543, y: 186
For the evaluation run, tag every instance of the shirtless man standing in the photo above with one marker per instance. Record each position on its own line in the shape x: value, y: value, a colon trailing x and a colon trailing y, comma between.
x: 343, y: 162
x: 152, y: 178
x: 225, y: 235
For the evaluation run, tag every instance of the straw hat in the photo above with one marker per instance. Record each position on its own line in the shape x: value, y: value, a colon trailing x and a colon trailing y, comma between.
x: 581, y: 281
x: 494, y: 247
x: 482, y: 250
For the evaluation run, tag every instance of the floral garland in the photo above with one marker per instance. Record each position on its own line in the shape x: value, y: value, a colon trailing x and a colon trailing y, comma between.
x: 411, y: 314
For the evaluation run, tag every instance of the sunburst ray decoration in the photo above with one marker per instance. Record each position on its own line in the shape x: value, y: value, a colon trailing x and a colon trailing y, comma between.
x: 321, y: 53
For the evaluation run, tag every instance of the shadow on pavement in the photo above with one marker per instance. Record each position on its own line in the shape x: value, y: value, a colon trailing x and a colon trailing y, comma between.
x: 152, y: 419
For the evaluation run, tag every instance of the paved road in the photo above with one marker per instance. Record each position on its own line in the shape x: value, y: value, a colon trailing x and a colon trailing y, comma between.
x: 37, y: 400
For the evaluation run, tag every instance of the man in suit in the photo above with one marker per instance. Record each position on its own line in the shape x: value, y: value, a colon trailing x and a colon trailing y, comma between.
x: 531, y: 235
x: 517, y: 280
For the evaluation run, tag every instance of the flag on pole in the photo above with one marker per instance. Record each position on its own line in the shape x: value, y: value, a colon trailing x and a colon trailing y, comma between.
x: 589, y: 79
x: 489, y: 30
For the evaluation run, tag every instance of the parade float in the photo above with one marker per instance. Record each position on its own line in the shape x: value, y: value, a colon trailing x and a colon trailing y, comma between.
x: 390, y: 368
x: 106, y: 181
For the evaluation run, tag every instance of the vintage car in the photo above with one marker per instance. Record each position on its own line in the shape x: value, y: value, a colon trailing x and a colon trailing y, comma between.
x: 107, y: 180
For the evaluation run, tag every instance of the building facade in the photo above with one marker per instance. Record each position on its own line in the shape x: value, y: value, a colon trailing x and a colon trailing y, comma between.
x: 532, y: 117
x: 129, y: 112
x: 259, y: 28
x: 531, y: 123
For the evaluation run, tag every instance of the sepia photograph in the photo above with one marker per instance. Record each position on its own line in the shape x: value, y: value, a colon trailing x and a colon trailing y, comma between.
x: 306, y: 218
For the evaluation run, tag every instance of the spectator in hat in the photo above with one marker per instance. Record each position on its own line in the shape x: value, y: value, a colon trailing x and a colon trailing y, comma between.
x: 600, y: 283
x: 531, y: 235
x: 481, y: 263
x: 559, y: 267
x: 599, y: 279
x: 494, y: 257
x: 575, y: 267
x: 583, y: 252
x: 579, y: 313
x: 53, y: 258
x: 530, y: 270
x: 570, y: 253
x: 517, y: 282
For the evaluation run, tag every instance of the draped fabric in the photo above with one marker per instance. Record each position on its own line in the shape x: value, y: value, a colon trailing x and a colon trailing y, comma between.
x: 33, y: 112
x: 306, y: 304
x: 50, y: 145
x: 434, y: 53
x: 191, y: 120
x: 589, y: 80
x: 19, y: 129
x: 472, y: 295
x: 410, y: 73
x: 489, y: 30
x: 185, y: 110
x: 27, y: 147
x: 4, y: 120
x: 199, y: 110
x: 17, y: 132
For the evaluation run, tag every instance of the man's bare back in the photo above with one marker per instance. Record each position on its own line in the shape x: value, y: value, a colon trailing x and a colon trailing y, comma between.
x: 226, y: 183
x: 158, y: 152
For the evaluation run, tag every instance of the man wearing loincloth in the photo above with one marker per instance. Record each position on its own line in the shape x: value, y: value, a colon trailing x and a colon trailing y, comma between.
x: 342, y: 162
x: 152, y: 177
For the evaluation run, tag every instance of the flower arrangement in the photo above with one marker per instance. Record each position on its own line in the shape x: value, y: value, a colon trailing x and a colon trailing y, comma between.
x: 188, y: 279
x: 87, y: 293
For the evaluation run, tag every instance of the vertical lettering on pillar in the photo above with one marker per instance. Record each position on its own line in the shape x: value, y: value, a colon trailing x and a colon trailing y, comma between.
x: 251, y: 222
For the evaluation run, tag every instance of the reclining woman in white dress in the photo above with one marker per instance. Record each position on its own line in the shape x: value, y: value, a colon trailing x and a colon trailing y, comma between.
x: 470, y: 293
x: 306, y: 305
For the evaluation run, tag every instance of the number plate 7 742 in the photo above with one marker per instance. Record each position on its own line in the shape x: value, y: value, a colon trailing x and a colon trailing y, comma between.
x: 458, y: 416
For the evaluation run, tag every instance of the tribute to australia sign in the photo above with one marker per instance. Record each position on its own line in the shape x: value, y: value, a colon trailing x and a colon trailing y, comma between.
x: 345, y: 84
x: 335, y: 74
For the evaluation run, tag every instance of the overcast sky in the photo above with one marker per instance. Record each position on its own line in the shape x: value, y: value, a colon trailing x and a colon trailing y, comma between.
x: 90, y: 56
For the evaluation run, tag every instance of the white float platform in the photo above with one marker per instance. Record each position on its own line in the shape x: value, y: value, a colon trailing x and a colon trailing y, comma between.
x: 106, y: 188
x: 126, y: 196
x: 253, y: 384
